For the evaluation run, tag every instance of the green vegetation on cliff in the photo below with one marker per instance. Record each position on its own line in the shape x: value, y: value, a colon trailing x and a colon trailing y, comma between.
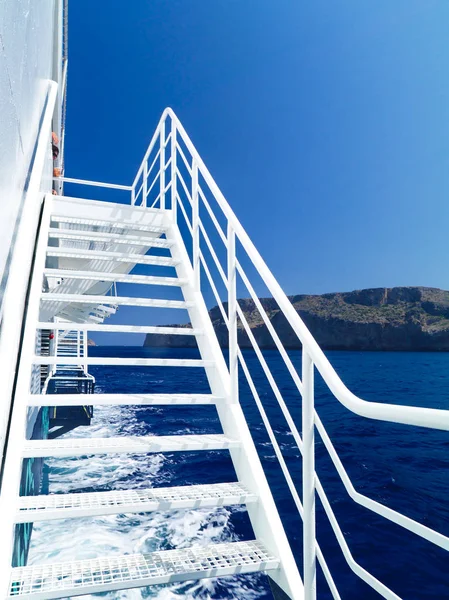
x: 400, y: 318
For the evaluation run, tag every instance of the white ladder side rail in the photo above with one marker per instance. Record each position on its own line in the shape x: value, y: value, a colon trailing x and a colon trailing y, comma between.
x: 13, y: 462
x: 264, y: 516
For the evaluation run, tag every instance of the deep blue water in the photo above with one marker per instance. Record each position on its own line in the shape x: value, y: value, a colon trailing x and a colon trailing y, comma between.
x: 402, y: 467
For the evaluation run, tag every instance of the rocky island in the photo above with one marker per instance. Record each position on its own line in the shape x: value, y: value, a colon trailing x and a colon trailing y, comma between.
x: 399, y: 318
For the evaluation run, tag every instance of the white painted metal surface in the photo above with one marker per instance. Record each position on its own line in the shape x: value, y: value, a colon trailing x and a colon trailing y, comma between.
x: 65, y: 506
x: 127, y: 444
x: 138, y: 570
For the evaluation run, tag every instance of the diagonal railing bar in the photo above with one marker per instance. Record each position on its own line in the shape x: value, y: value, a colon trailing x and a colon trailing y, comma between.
x: 184, y: 159
x: 384, y: 511
x: 214, y: 290
x: 181, y: 204
x: 285, y: 471
x: 213, y: 217
x: 183, y: 183
x: 214, y: 255
x: 154, y: 162
x: 372, y: 581
x: 282, y: 351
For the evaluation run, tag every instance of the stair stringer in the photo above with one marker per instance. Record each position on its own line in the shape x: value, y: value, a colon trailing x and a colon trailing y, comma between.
x: 12, y: 471
x: 263, y: 514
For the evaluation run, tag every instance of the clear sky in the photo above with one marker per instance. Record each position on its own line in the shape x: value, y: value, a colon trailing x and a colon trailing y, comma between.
x: 325, y: 123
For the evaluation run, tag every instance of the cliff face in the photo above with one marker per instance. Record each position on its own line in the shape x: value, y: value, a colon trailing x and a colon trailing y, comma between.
x: 400, y: 318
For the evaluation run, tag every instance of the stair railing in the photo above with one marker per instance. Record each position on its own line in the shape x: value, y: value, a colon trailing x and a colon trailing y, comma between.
x: 192, y: 191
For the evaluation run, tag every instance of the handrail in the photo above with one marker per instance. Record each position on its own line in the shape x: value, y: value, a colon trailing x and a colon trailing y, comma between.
x: 312, y: 355
x: 408, y: 415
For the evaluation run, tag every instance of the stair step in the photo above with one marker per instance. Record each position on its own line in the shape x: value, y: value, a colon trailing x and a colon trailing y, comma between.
x: 73, y: 578
x: 110, y: 238
x: 118, y: 300
x: 107, y: 223
x: 131, y: 444
x: 67, y: 506
x: 121, y: 328
x: 119, y: 361
x: 141, y: 259
x: 117, y: 277
x: 120, y: 399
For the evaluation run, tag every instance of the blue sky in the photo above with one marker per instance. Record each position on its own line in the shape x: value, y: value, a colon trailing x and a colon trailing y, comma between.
x: 325, y: 123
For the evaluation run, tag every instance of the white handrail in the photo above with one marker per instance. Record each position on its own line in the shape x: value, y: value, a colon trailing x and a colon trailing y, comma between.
x: 409, y: 415
x: 233, y: 235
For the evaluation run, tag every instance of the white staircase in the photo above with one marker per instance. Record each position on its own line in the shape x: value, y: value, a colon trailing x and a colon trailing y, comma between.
x: 84, y: 250
x: 92, y: 271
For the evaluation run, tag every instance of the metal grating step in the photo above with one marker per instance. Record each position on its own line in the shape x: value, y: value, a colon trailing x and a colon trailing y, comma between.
x: 116, y: 300
x: 66, y: 506
x: 109, y: 238
x: 133, y: 362
x: 141, y: 259
x: 121, y: 328
x: 131, y: 444
x: 121, y: 399
x: 107, y: 223
x: 75, y: 578
x: 117, y: 277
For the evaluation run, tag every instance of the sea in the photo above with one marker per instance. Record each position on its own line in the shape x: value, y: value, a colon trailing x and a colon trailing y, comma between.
x: 405, y: 468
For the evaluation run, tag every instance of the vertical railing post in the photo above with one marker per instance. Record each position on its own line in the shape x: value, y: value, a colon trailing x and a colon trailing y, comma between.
x: 308, y: 477
x: 85, y: 346
x: 133, y: 196
x: 232, y: 314
x: 145, y: 183
x: 174, y: 202
x: 162, y: 167
x: 195, y: 227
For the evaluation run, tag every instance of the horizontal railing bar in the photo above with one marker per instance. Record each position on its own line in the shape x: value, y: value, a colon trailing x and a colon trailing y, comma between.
x: 118, y: 328
x: 114, y: 186
x: 121, y: 361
